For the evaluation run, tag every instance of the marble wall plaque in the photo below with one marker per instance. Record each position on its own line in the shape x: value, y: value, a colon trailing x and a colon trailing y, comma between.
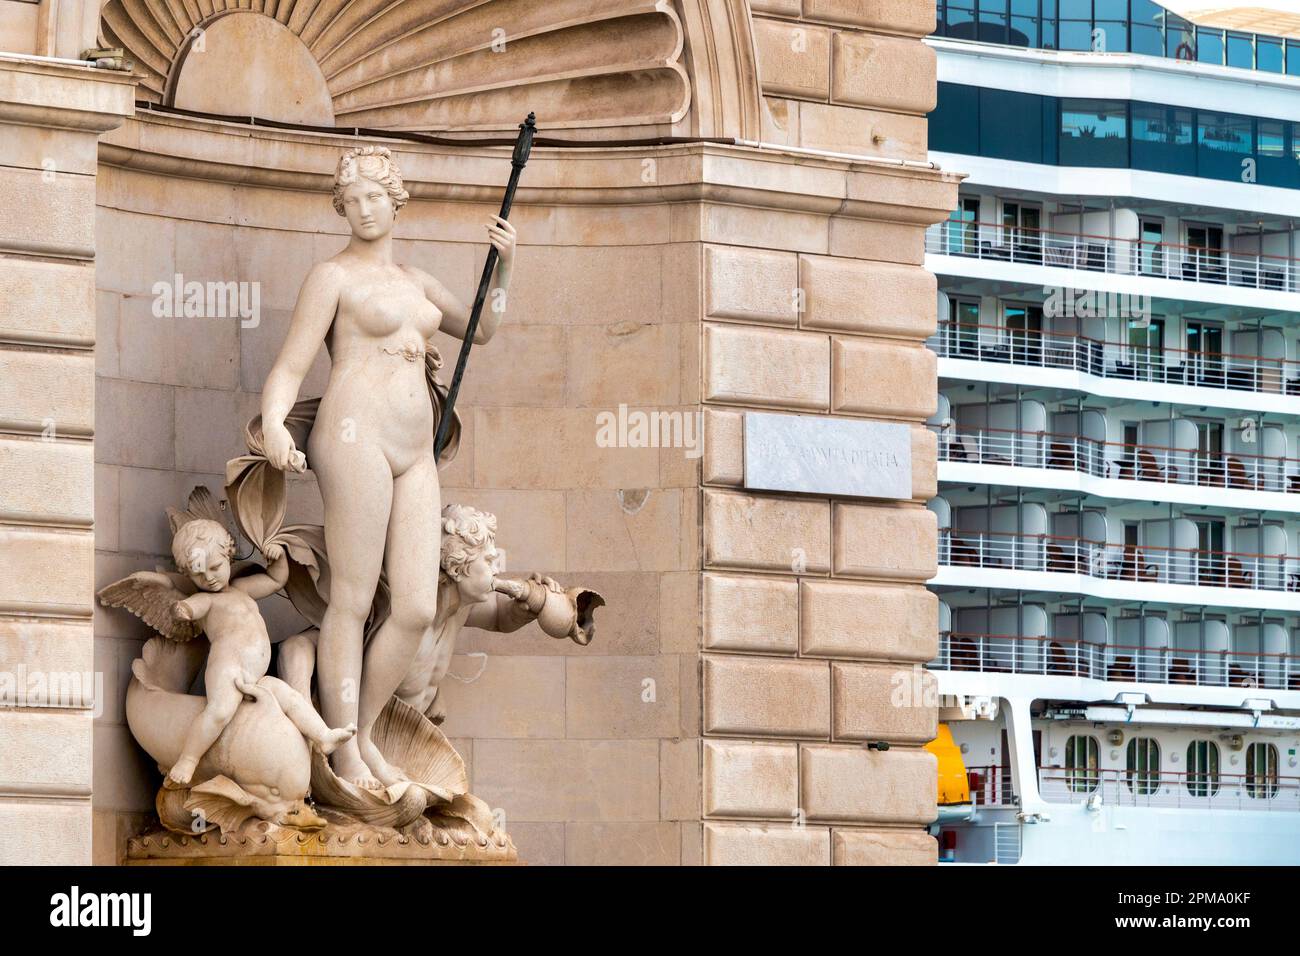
x: 827, y: 456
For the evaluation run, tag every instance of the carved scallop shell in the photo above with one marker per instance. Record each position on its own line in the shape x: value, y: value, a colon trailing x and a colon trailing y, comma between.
x: 408, y: 740
x: 443, y: 64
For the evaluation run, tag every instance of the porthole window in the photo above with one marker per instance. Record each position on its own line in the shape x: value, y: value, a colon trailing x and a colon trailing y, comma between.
x: 1081, y: 759
x: 1261, y: 771
x: 1202, y: 768
x: 1143, y: 766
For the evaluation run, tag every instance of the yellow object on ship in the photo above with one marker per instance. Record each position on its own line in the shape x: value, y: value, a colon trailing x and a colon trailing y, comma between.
x: 953, y: 784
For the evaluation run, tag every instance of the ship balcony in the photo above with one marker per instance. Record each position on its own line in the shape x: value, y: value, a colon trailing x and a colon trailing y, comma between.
x: 1107, y: 359
x: 1204, y: 790
x: 1119, y: 663
x: 1041, y: 562
x: 1106, y: 462
x: 1121, y: 562
x: 1113, y: 255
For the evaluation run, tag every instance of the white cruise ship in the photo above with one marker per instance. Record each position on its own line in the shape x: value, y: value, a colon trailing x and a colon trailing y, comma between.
x: 1119, y: 434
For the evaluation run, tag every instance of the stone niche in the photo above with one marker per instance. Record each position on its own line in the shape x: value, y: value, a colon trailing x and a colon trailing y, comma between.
x: 749, y: 637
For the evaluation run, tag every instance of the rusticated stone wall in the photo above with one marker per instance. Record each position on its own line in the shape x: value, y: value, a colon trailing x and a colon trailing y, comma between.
x: 816, y: 621
x: 50, y: 116
x: 814, y: 611
x: 847, y: 75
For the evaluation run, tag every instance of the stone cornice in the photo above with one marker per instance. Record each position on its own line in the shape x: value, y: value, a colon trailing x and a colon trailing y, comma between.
x: 63, y: 94
x: 774, y: 178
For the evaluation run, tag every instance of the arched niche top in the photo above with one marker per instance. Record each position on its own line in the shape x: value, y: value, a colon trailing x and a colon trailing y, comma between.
x: 246, y: 64
x: 599, y: 69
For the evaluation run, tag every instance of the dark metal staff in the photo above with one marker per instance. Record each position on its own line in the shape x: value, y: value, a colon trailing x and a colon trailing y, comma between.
x: 523, y: 146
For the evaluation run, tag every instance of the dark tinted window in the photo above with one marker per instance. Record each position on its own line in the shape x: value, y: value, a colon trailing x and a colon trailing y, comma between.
x: 1011, y: 126
x: 954, y: 125
x: 1094, y: 133
x: 1162, y: 139
x: 1223, y: 140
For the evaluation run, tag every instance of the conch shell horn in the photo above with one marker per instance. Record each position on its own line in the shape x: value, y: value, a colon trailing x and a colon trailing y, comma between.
x: 570, y: 613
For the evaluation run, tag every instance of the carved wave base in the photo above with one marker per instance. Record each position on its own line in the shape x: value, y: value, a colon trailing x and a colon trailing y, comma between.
x: 341, y: 842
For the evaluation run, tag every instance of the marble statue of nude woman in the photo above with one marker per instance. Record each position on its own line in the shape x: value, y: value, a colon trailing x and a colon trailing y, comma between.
x: 371, y: 446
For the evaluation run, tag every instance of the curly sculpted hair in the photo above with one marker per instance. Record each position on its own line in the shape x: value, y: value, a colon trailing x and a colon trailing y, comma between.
x: 467, y: 534
x: 200, y: 536
x: 369, y: 162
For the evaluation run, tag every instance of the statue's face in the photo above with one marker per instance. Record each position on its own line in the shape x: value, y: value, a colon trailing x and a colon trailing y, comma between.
x: 209, y: 570
x: 369, y: 209
x: 476, y: 585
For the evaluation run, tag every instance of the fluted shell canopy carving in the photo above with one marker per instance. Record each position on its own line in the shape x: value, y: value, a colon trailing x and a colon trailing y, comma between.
x: 423, y: 65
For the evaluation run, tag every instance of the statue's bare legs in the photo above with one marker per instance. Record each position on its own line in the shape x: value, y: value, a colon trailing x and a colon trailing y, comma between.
x: 412, y: 561
x: 356, y: 485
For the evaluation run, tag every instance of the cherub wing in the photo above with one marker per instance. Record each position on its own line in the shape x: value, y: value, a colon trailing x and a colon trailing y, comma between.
x: 200, y: 504
x: 152, y: 601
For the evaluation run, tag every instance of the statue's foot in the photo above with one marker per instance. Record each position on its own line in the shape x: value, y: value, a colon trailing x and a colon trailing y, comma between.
x: 348, y: 765
x: 381, y: 768
x: 178, y: 778
x: 437, y: 713
x: 333, y: 739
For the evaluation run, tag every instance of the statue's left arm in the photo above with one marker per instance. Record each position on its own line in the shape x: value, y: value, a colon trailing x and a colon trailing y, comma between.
x: 258, y: 586
x: 455, y: 314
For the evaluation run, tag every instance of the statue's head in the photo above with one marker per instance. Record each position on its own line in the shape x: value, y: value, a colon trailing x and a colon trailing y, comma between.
x: 368, y: 190
x: 202, y: 549
x: 469, y: 552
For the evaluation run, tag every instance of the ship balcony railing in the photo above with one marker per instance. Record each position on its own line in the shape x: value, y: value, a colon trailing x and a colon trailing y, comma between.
x: 1065, y: 657
x: 1107, y: 459
x: 1111, y: 254
x: 991, y: 786
x: 1207, y: 790
x: 1117, y: 360
x: 1145, y: 564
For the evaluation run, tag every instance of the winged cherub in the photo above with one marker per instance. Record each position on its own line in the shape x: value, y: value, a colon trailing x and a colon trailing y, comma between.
x: 226, y: 611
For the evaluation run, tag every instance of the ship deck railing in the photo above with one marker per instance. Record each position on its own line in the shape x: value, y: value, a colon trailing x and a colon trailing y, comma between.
x: 1063, y: 657
x: 1117, y: 460
x: 1147, y: 564
x: 1115, y: 360
x: 1209, y: 789
x: 1115, y: 255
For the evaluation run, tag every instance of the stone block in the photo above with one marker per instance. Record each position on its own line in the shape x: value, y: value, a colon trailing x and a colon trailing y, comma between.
x: 883, y: 848
x: 748, y: 779
x: 895, y: 703
x: 757, y: 614
x: 731, y: 844
x: 856, y: 785
x: 871, y: 298
x: 769, y: 367
x: 766, y: 697
x: 746, y: 532
x: 876, y: 378
x: 843, y: 619
x: 887, y: 543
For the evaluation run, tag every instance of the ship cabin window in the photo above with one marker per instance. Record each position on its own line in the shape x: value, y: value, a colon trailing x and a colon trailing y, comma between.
x: 1143, y: 766
x: 1202, y: 768
x: 1081, y: 759
x: 1261, y: 771
x: 964, y: 327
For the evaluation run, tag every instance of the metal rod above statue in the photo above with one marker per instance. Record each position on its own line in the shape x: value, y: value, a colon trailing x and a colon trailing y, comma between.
x: 523, y: 146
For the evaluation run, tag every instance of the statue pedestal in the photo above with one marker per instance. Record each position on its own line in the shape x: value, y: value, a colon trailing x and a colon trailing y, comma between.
x: 266, y: 844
